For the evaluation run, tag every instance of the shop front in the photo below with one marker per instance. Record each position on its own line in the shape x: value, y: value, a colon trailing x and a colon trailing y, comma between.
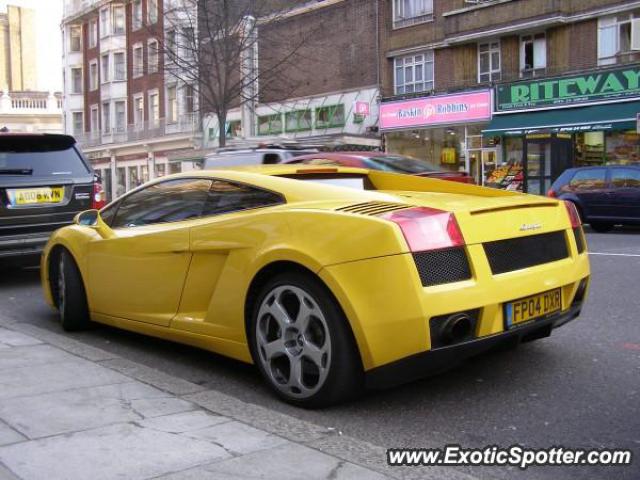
x: 549, y: 125
x: 444, y: 130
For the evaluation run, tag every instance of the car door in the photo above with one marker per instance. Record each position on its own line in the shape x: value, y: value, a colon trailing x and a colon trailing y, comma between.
x: 591, y: 187
x: 625, y: 192
x: 138, y: 272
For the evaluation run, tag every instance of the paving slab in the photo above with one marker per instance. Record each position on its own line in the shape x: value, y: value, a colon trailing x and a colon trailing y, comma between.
x: 17, y: 357
x: 238, y: 438
x: 285, y: 462
x: 9, y: 435
x: 183, y: 422
x: 77, y: 409
x: 16, y: 339
x: 33, y: 380
x: 116, y: 452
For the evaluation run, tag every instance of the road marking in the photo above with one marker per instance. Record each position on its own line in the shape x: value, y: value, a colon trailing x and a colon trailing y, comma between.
x: 616, y: 254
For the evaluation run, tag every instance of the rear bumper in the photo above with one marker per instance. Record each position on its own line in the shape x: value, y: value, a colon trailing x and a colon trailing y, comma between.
x: 434, y: 361
x: 23, y: 245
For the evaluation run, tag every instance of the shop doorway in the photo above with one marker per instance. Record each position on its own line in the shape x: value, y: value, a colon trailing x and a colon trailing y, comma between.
x: 547, y: 156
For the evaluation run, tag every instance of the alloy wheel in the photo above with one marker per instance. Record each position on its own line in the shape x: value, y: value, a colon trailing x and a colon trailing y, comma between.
x: 293, y: 341
x: 61, y: 287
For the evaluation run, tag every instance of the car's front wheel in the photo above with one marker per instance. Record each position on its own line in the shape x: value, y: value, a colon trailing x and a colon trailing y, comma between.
x: 302, y: 343
x: 71, y: 298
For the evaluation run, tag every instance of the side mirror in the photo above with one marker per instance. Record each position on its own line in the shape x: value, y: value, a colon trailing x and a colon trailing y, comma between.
x: 88, y: 218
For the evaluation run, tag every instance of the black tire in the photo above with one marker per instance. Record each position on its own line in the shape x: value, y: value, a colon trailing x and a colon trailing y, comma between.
x: 343, y: 373
x: 71, y: 297
x: 601, y: 227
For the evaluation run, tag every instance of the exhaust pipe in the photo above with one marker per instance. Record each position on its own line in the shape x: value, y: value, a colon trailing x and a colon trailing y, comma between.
x: 457, y: 328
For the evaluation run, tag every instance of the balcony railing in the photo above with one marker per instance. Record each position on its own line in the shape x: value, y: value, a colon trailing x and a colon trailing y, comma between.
x: 20, y: 103
x: 187, y: 124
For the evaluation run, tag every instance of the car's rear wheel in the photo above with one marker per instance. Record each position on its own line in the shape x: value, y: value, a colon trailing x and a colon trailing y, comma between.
x: 302, y: 344
x: 601, y: 227
x: 71, y: 298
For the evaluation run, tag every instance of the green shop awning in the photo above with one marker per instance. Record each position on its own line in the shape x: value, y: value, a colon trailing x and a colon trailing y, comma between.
x: 613, y: 116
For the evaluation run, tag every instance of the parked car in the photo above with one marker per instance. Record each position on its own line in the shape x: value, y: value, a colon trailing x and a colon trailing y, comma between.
x: 604, y: 196
x: 382, y: 161
x: 263, y: 155
x: 44, y: 183
x: 328, y: 279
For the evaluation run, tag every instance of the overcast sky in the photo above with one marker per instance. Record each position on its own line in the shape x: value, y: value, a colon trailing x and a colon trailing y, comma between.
x: 48, y: 39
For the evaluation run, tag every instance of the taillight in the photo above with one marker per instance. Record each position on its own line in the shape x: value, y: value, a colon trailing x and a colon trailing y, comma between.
x: 551, y: 193
x: 574, y: 216
x: 98, y: 199
x: 427, y: 228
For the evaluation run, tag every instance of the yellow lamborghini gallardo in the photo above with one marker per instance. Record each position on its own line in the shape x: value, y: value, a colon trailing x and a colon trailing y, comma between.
x: 329, y: 279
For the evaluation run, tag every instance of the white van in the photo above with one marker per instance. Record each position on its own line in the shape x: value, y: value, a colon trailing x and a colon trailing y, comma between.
x: 253, y: 156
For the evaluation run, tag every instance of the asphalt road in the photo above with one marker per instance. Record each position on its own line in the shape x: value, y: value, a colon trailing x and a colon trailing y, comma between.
x: 580, y: 388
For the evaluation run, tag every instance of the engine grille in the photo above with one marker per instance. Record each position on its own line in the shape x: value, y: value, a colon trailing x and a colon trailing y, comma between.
x: 577, y: 232
x: 518, y: 253
x: 373, y: 208
x: 446, y: 265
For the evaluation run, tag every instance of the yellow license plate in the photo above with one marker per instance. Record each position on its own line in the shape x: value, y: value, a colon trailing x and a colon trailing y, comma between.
x: 31, y: 196
x: 535, y: 306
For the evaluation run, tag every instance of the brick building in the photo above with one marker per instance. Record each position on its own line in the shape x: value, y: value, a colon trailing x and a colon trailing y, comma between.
x: 131, y: 119
x: 514, y: 91
x: 326, y: 88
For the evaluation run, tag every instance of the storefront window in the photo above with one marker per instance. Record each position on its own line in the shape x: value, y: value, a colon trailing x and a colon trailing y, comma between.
x: 440, y: 147
x: 622, y: 148
x: 589, y: 149
x: 509, y: 173
x: 175, y: 167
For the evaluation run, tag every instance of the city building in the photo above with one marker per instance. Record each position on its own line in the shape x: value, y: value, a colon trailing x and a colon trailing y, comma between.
x: 132, y: 120
x: 32, y: 112
x: 18, y: 70
x: 327, y: 95
x: 561, y: 79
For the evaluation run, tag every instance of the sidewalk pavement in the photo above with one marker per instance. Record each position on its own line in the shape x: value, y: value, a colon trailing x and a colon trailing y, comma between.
x: 71, y: 411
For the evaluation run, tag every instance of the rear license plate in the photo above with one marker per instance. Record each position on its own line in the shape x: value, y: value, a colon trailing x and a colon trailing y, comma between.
x: 530, y: 308
x: 34, y: 196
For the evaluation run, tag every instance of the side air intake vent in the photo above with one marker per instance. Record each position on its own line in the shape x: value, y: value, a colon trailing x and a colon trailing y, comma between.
x: 372, y: 208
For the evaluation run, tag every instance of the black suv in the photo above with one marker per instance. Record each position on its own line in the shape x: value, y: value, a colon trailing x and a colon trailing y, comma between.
x: 44, y: 182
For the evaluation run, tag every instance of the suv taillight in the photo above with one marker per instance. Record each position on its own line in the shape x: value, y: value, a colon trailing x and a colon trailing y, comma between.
x: 427, y: 228
x: 574, y: 216
x: 551, y: 193
x: 98, y: 199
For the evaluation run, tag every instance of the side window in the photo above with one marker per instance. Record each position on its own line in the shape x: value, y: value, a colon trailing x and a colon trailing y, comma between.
x: 590, y: 179
x: 271, y: 158
x: 170, y: 201
x: 225, y: 197
x: 107, y: 214
x: 625, y: 177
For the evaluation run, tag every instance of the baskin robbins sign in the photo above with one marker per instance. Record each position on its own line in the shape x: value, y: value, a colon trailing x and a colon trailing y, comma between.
x: 436, y: 110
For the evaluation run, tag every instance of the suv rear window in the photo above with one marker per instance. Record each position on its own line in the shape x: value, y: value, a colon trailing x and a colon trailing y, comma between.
x: 590, y: 179
x: 36, y: 156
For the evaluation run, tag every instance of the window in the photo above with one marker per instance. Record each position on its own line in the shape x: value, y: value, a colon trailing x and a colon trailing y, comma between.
x: 170, y: 40
x: 298, y: 121
x: 78, y: 123
x: 533, y: 55
x: 93, y: 75
x: 75, y: 39
x: 625, y: 177
x: 105, y: 68
x: 134, y: 180
x: 138, y: 111
x: 234, y: 129
x: 76, y: 80
x: 188, y: 98
x: 120, y: 108
x: 118, y: 19
x: 270, y: 124
x: 172, y: 104
x: 95, y: 124
x: 410, y: 12
x: 615, y: 37
x: 332, y: 116
x: 414, y: 73
x: 589, y: 179
x: 225, y: 197
x: 488, y: 62
x: 119, y: 66
x: 93, y: 34
x: 106, y: 117
x: 136, y: 21
x: 152, y: 14
x: 169, y: 201
x: 154, y: 109
x: 104, y: 22
x: 152, y: 56
x: 138, y: 59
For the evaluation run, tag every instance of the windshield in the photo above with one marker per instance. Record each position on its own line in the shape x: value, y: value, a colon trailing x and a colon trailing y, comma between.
x: 398, y: 163
x: 36, y: 157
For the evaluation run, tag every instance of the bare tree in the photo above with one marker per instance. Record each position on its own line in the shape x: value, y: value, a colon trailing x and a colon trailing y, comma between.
x: 212, y: 45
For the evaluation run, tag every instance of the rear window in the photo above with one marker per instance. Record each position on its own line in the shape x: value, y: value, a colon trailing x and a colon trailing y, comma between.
x: 400, y: 164
x: 590, y: 179
x: 357, y: 182
x: 34, y: 156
